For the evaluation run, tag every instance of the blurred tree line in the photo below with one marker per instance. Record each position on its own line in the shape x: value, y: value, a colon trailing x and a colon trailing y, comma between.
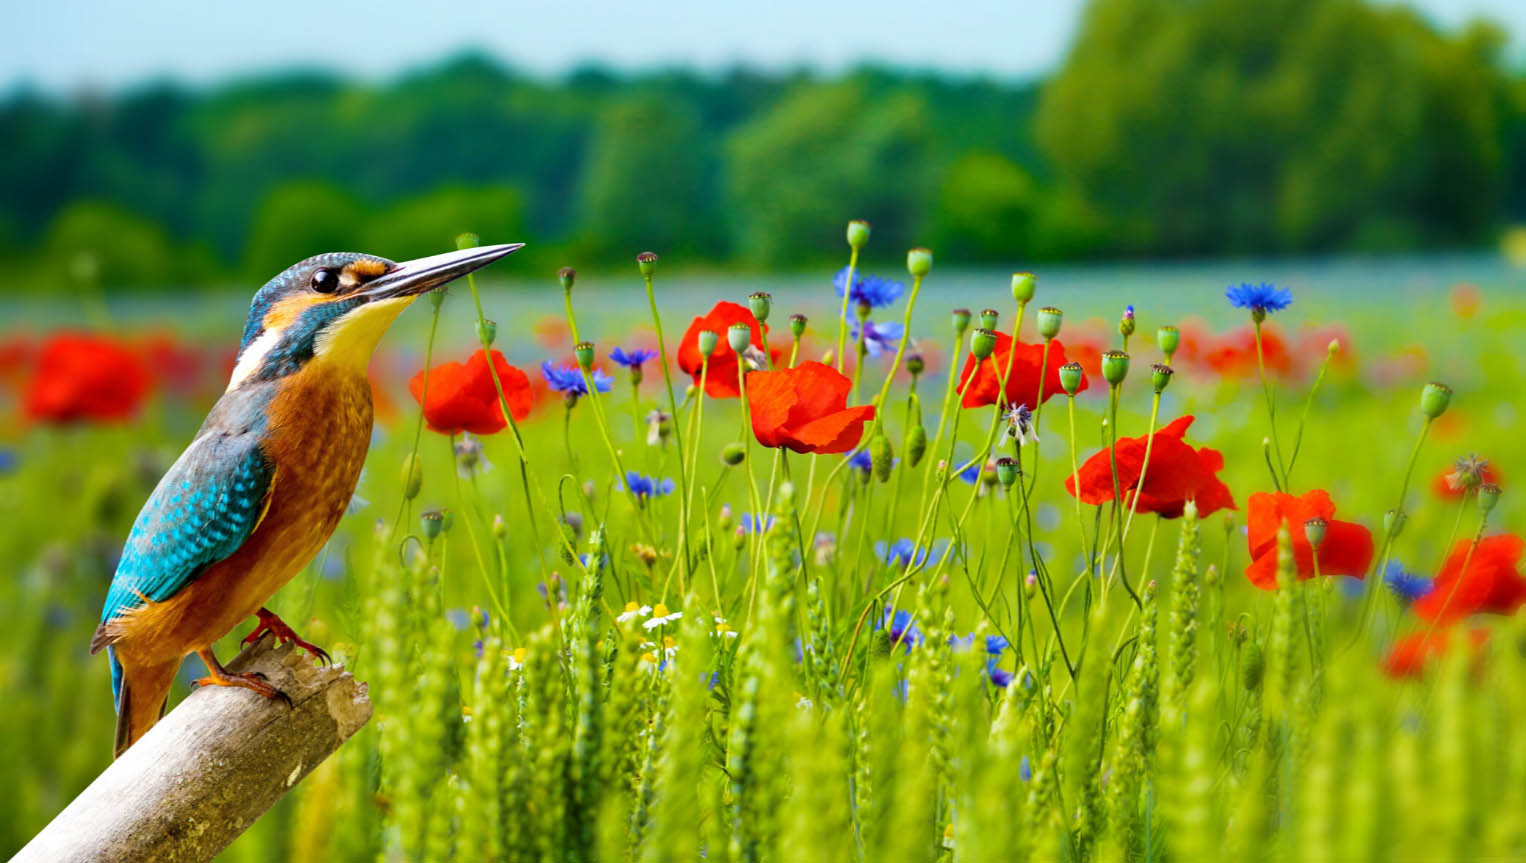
x: 1172, y: 128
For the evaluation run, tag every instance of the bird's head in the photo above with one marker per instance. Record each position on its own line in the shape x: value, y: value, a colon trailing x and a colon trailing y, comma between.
x: 334, y: 308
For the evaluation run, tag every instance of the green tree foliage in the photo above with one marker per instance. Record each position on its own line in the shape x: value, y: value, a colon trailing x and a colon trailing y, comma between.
x: 425, y: 225
x: 986, y: 208
x: 89, y: 238
x: 298, y: 220
x: 1281, y: 124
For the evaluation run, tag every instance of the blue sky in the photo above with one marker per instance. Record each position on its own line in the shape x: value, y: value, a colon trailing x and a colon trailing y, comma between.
x: 68, y: 44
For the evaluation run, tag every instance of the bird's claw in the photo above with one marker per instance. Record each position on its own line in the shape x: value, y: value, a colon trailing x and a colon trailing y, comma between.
x: 253, y: 681
x: 284, y: 634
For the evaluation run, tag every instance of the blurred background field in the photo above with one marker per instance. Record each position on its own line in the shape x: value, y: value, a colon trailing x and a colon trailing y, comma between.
x: 1369, y: 157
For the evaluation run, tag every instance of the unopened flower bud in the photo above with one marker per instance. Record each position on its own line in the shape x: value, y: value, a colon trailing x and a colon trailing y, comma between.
x: 724, y: 521
x: 915, y: 364
x: 584, y: 352
x: 1169, y: 338
x: 1252, y: 665
x: 739, y: 336
x: 1314, y: 531
x: 797, y: 325
x: 646, y: 262
x: 983, y: 343
x: 1393, y: 522
x: 1050, y: 319
x: 733, y: 453
x: 1126, y: 323
x: 916, y: 445
x: 500, y: 527
x: 1115, y: 367
x: 1434, y: 399
x: 881, y: 456
x: 961, y: 321
x: 1070, y: 378
x: 566, y: 275
x: 467, y: 240
x: 1006, y: 471
x: 761, y: 303
x: 1488, y: 496
x: 1023, y: 285
x: 919, y: 261
x: 1031, y: 583
x: 858, y: 233
x: 707, y: 342
x: 1160, y: 376
x: 413, y: 476
x: 487, y: 332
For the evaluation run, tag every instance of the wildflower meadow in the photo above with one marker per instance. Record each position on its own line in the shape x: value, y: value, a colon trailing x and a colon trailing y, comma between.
x: 874, y: 570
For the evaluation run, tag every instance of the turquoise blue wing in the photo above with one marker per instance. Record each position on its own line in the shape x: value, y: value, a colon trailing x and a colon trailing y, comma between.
x: 201, y: 512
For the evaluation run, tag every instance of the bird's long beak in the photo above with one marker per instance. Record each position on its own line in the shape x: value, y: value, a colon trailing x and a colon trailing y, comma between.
x: 425, y: 274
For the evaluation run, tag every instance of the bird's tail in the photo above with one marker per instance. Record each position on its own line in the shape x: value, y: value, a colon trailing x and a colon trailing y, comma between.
x: 141, y: 695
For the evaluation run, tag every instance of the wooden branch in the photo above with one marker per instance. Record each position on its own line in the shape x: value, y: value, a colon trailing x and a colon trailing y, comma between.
x: 201, y: 776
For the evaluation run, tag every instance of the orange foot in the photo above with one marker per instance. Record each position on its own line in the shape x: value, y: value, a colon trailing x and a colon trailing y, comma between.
x: 284, y: 634
x: 251, y: 680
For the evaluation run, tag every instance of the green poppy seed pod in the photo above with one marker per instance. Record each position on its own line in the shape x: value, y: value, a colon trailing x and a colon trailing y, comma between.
x: 1314, y: 531
x: 916, y: 445
x: 1115, y: 367
x: 797, y: 325
x: 858, y: 233
x: 1169, y: 338
x: 584, y: 352
x: 982, y: 343
x: 1050, y: 319
x: 1070, y: 378
x: 431, y: 524
x: 646, y: 262
x: 467, y: 240
x: 566, y: 275
x: 1006, y: 471
x: 989, y: 317
x: 1434, y: 399
x: 761, y: 303
x: 1160, y: 376
x: 413, y: 476
x: 1488, y: 496
x: 739, y: 336
x: 961, y: 321
x: 1023, y: 286
x: 915, y: 364
x: 1252, y: 666
x: 487, y: 332
x: 881, y: 456
x: 1393, y: 522
x: 733, y: 453
x: 500, y: 527
x: 708, y: 341
x: 919, y: 261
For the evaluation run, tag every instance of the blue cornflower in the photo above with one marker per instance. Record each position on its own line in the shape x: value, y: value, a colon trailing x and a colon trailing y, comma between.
x: 878, y: 338
x: 995, y: 644
x: 569, y: 379
x: 902, y: 627
x: 999, y: 676
x: 1260, y: 299
x: 458, y: 617
x: 1024, y: 772
x: 633, y: 359
x: 1406, y: 585
x: 861, y: 460
x: 7, y: 461
x: 971, y: 474
x: 871, y: 291
x: 752, y: 523
x: 904, y: 551
x: 647, y: 486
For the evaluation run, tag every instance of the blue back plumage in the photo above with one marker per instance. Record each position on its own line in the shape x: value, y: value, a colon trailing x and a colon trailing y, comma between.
x: 200, y: 513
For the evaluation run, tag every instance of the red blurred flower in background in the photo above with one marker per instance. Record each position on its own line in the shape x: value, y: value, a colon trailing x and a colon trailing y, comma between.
x: 1410, y: 654
x: 805, y: 408
x: 1465, y: 474
x: 80, y: 377
x: 1176, y: 474
x: 1476, y: 580
x: 721, y: 380
x: 463, y: 398
x: 15, y: 359
x: 1234, y: 354
x: 1346, y: 550
x: 1023, y: 379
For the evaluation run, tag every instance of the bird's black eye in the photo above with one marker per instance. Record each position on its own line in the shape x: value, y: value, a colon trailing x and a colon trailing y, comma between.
x: 325, y: 281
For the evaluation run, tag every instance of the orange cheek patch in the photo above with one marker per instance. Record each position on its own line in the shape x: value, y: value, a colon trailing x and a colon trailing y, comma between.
x: 367, y: 268
x: 288, y: 310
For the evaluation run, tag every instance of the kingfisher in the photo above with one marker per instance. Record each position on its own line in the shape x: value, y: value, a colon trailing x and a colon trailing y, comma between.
x: 262, y: 486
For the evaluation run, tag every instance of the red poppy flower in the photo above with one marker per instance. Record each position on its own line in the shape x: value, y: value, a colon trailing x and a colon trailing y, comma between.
x: 1234, y: 354
x: 1490, y: 584
x: 15, y: 359
x: 1413, y: 652
x: 1176, y: 474
x: 1448, y: 484
x: 721, y: 380
x: 805, y: 408
x: 462, y: 398
x: 1022, y: 380
x: 1347, y: 549
x: 85, y: 377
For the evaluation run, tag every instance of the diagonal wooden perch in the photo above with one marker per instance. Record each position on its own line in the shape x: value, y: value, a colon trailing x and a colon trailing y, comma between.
x: 210, y: 767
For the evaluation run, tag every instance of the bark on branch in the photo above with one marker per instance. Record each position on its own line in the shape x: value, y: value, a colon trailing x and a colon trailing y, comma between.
x: 210, y: 767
